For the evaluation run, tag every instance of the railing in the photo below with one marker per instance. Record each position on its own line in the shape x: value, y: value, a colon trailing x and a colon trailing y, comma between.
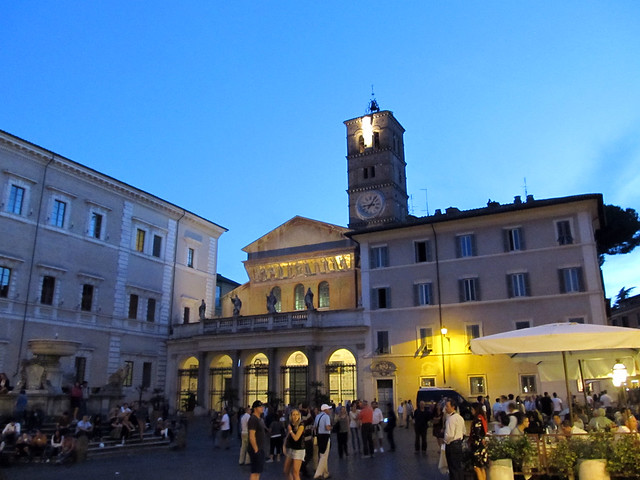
x: 276, y: 321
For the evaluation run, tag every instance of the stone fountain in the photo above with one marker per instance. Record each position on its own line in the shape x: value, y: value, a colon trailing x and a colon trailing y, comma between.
x: 43, y: 372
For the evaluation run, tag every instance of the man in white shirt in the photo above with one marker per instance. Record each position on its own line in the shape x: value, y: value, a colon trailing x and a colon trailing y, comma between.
x: 225, y: 429
x: 605, y: 400
x: 378, y: 419
x: 401, y: 413
x: 244, y: 435
x: 453, y: 434
x: 557, y: 404
x: 323, y: 427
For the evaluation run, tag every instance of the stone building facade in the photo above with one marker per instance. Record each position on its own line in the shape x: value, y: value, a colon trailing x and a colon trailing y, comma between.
x: 88, y: 258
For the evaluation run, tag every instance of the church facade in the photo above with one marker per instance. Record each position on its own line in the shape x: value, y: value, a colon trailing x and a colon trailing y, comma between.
x: 390, y: 304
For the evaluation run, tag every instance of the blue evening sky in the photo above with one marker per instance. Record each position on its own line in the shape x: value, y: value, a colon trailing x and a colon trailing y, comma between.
x: 234, y: 110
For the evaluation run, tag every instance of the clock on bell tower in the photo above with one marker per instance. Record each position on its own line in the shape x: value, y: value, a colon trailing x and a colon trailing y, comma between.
x: 376, y: 169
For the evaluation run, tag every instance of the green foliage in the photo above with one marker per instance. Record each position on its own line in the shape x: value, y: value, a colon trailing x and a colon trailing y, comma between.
x: 518, y: 448
x: 621, y: 231
x: 623, y: 458
x: 562, y: 458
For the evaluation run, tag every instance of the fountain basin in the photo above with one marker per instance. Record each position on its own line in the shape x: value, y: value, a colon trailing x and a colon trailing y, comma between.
x: 58, y: 348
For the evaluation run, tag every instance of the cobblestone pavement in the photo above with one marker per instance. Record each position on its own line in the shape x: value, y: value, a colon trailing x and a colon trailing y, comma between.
x: 200, y: 461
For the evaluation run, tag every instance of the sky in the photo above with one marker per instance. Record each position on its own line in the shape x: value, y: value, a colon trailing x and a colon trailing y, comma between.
x: 235, y: 110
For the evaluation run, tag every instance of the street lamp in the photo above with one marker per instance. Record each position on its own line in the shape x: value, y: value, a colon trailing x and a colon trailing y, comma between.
x: 619, y: 378
x: 443, y: 331
x: 619, y: 374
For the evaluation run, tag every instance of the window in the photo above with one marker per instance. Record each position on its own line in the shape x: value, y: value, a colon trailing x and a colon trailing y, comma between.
x: 128, y: 379
x: 323, y: 295
x: 427, y: 381
x: 518, y: 284
x: 423, y: 251
x: 95, y: 225
x: 477, y: 385
x: 522, y: 324
x: 133, y: 306
x: 426, y: 337
x: 57, y: 215
x: 571, y: 280
x: 379, y: 257
x: 86, y: 301
x: 298, y: 296
x: 581, y: 320
x: 465, y: 246
x: 423, y: 295
x: 369, y: 172
x: 425, y: 344
x: 16, y: 198
x: 528, y: 384
x: 157, y: 246
x: 513, y: 240
x: 81, y: 368
x: 381, y: 298
x: 190, y: 256
x: 383, y: 342
x: 5, y: 279
x: 472, y: 331
x: 563, y: 230
x: 469, y: 290
x: 140, y: 235
x: 151, y: 310
x: 146, y: 374
x: 186, y: 313
x: 48, y: 289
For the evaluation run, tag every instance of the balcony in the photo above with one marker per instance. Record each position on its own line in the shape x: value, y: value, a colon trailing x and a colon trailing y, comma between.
x: 270, y: 322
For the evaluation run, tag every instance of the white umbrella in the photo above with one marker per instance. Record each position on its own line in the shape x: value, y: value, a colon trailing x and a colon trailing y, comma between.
x: 558, y: 337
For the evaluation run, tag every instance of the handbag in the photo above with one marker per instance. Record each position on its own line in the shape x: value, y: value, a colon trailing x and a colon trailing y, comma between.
x: 443, y: 466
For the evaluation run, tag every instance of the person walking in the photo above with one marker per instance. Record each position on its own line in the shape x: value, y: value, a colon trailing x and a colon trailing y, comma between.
x: 477, y: 444
x: 420, y: 425
x: 323, y: 427
x: 366, y: 419
x: 257, y: 435
x: 390, y: 426
x: 294, y: 446
x: 453, y: 434
x: 354, y: 426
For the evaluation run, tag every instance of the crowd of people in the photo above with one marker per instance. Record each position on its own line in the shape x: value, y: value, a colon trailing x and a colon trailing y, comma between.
x: 24, y: 442
x: 301, y: 437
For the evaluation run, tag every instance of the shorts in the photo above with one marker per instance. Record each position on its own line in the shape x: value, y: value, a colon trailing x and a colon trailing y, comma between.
x: 296, y: 454
x: 257, y: 460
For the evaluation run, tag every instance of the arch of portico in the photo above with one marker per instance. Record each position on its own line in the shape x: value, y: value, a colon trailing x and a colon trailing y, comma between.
x: 239, y: 377
x: 341, y: 373
x: 188, y: 381
x: 221, y: 391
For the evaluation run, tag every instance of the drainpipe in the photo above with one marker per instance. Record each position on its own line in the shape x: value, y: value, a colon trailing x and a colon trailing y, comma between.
x: 435, y: 241
x: 173, y: 277
x: 33, y: 255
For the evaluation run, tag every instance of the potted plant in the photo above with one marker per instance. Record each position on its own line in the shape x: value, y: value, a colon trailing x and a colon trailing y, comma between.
x: 592, y: 453
x: 623, y: 457
x: 507, y: 452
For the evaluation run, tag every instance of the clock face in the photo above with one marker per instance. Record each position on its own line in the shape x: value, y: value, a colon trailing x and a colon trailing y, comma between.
x: 370, y: 204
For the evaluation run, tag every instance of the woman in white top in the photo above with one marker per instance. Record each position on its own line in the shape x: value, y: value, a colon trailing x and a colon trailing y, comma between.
x: 354, y: 426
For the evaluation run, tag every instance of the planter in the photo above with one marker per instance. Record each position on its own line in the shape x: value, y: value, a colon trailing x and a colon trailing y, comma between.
x: 500, y: 469
x: 593, y: 470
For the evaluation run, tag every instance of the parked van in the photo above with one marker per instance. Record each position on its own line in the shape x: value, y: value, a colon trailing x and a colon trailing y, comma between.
x: 435, y: 395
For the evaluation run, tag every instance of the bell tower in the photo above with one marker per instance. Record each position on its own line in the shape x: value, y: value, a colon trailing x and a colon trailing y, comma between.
x: 376, y: 169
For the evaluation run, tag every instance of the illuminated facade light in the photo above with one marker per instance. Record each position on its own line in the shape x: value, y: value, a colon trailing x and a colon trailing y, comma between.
x: 367, y: 131
x: 619, y: 374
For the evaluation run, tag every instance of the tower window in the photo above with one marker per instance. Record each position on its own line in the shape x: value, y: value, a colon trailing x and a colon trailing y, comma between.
x: 376, y: 139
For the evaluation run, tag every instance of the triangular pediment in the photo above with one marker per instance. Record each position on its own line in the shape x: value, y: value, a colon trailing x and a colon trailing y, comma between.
x: 297, y: 232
